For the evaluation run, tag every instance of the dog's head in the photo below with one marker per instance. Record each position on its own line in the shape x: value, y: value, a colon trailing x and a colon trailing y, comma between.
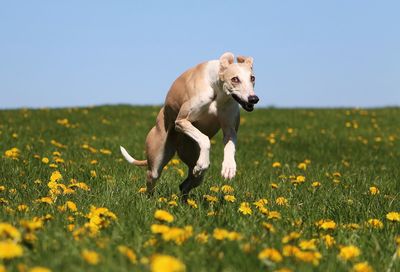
x: 238, y: 79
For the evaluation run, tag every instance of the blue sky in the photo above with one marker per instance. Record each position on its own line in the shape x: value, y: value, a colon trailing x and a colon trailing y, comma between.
x: 307, y: 53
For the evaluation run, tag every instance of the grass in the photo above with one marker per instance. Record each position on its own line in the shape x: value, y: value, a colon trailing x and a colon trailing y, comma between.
x: 348, y: 150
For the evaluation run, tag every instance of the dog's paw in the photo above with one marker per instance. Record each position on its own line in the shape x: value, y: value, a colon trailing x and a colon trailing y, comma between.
x: 200, y: 167
x: 228, y: 169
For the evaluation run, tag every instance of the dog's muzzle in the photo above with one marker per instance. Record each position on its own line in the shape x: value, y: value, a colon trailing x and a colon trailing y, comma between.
x: 247, y: 106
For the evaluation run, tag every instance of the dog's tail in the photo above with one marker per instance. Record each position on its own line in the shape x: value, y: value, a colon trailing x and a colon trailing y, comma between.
x: 130, y: 159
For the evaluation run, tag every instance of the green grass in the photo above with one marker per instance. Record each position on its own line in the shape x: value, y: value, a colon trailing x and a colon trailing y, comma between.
x: 365, y: 154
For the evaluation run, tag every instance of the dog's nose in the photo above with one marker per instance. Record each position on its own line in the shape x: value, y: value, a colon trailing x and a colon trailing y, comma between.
x: 253, y: 99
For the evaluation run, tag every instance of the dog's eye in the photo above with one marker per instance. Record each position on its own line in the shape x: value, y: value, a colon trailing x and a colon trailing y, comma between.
x: 235, y: 79
x: 253, y: 78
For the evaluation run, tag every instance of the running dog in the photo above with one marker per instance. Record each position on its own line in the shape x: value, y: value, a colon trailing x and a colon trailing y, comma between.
x: 201, y: 101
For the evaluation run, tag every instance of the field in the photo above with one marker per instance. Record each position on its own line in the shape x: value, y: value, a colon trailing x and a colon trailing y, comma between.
x: 316, y: 190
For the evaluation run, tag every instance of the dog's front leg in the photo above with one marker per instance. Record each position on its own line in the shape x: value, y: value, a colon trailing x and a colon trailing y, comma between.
x: 183, y: 123
x: 229, y: 165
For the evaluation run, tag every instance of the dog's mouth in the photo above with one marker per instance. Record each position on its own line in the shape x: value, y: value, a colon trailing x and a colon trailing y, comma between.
x: 245, y: 105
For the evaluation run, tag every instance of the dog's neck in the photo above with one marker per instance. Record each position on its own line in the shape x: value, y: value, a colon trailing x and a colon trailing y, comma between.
x: 216, y: 83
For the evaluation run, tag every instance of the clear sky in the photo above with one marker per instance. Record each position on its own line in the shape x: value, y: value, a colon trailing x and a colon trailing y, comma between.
x: 307, y: 53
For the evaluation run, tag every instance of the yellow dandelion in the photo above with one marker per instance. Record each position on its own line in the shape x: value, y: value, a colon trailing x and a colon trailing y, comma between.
x: 90, y: 256
x: 227, y: 189
x: 362, y: 267
x: 329, y: 241
x: 202, y: 237
x: 127, y: 252
x: 214, y: 189
x: 163, y: 215
x: 375, y: 223
x: 274, y: 215
x: 302, y: 166
x: 281, y: 201
x: 348, y: 252
x: 294, y: 235
x: 39, y: 269
x: 230, y: 198
x: 10, y: 250
x: 308, y: 244
x: 269, y: 227
x: 276, y: 165
x: 393, y: 216
x: 45, y: 160
x: 55, y: 176
x: 316, y: 184
x: 326, y: 224
x: 270, y: 254
x: 166, y: 263
x: 374, y: 190
x: 192, y: 203
x: 245, y: 208
x: 210, y: 198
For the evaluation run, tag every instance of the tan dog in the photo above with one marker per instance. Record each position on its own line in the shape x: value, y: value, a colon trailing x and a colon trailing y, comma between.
x: 202, y: 100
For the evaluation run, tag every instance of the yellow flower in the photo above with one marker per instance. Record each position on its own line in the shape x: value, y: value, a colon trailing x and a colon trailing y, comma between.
x: 10, y: 250
x: 308, y: 244
x: 166, y: 263
x: 300, y: 179
x: 393, y: 216
x: 226, y: 189
x: 373, y: 190
x: 12, y: 153
x: 348, y: 252
x: 328, y: 240
x: 308, y: 256
x: 290, y: 237
x: 269, y: 227
x: 105, y: 151
x: 274, y: 215
x: 55, y: 176
x: 316, y: 184
x: 214, y: 189
x: 326, y: 224
x: 281, y: 201
x: 163, y: 216
x: 22, y: 208
x: 178, y: 235
x: 142, y: 190
x: 362, y: 267
x: 39, y: 269
x: 245, y: 208
x: 127, y: 252
x: 260, y: 203
x: 45, y: 160
x: 93, y: 173
x: 7, y: 231
x: 276, y: 165
x: 210, y: 198
x: 270, y: 254
x: 302, y: 166
x: 230, y: 198
x: 192, y: 203
x: 202, y: 237
x: 375, y: 223
x: 90, y: 256
x: 46, y: 199
x: 71, y: 206
x: 221, y: 234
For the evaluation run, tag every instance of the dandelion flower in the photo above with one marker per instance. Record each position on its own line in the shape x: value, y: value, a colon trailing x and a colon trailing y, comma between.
x: 10, y: 250
x: 245, y: 208
x: 270, y: 254
x: 127, y: 252
x: 349, y: 252
x: 281, y: 201
x: 362, y: 267
x: 393, y: 216
x: 375, y: 223
x: 230, y: 198
x: 166, y: 263
x: 163, y: 216
x: 90, y: 256
x: 373, y: 190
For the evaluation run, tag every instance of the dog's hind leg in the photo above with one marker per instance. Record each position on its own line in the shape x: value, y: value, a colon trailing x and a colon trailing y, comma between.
x: 160, y: 148
x: 189, y: 151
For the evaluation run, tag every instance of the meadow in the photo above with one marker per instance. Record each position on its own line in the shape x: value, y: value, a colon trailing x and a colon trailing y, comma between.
x: 316, y: 190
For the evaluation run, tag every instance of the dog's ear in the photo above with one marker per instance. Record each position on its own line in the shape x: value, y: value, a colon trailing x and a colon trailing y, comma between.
x: 246, y: 60
x: 225, y: 60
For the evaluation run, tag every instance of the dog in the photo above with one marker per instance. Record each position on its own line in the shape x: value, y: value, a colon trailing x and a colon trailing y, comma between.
x: 201, y: 101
